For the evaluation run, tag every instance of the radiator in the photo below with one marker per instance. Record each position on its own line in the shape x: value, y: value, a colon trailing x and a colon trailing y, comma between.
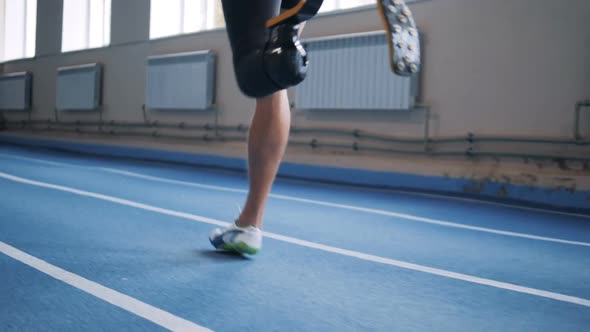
x: 183, y: 81
x: 352, y: 72
x: 79, y: 88
x: 15, y: 92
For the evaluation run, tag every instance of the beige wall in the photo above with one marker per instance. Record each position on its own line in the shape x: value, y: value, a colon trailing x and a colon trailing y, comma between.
x: 491, y: 67
x: 500, y: 67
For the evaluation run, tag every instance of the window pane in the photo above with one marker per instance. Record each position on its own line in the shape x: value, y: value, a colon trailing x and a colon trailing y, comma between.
x: 165, y: 18
x: 355, y: 3
x: 184, y: 16
x: 219, y: 20
x: 14, y: 33
x: 211, y: 10
x: 75, y: 25
x: 86, y: 24
x: 195, y: 15
x: 106, y: 37
x: 96, y: 24
x: 31, y: 28
x: 330, y: 5
x: 2, y: 26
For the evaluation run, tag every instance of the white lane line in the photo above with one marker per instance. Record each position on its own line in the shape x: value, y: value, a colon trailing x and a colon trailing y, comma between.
x: 335, y: 205
x: 141, y: 309
x: 313, y: 245
x: 40, y: 161
x: 184, y: 183
x: 429, y: 195
x: 449, y: 198
x: 356, y: 208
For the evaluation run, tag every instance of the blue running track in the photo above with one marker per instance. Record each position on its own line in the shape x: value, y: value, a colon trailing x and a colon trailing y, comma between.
x: 335, y: 258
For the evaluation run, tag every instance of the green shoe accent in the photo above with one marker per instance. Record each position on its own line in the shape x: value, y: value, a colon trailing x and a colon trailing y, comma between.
x: 241, y: 247
x: 229, y: 247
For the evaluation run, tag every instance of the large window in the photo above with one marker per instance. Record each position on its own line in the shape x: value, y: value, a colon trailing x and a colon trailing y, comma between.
x: 174, y: 17
x: 18, y: 23
x: 86, y: 24
x: 329, y: 5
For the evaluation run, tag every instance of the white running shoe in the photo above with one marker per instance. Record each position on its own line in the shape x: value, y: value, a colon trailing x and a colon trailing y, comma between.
x: 246, y: 240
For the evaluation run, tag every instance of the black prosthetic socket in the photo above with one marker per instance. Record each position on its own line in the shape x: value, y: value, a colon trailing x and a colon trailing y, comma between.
x: 280, y: 65
x: 252, y: 77
x: 266, y: 60
x: 285, y: 59
x: 288, y: 4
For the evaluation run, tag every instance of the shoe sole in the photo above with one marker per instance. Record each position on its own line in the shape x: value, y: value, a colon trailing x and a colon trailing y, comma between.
x: 241, y: 247
x: 402, y: 36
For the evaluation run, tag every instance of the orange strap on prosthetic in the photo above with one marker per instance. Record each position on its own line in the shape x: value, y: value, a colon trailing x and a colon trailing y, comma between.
x: 301, y: 12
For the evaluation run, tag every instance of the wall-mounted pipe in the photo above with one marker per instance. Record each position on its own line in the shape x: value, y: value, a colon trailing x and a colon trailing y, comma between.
x: 579, y: 106
x: 426, y: 128
x: 100, y: 121
x: 153, y: 133
x: 355, y: 133
x: 144, y: 113
x: 314, y: 144
x: 468, y: 153
x: 539, y: 140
